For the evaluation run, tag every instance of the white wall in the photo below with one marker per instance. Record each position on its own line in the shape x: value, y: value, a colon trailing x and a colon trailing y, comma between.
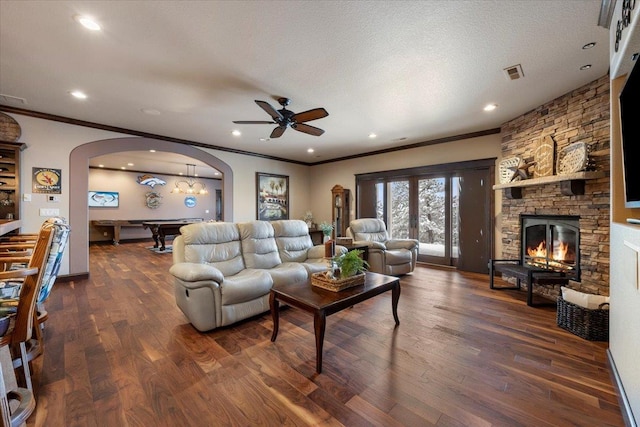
x: 624, y: 322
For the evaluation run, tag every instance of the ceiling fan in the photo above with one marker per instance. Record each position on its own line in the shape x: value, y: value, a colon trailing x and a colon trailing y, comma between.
x: 285, y: 118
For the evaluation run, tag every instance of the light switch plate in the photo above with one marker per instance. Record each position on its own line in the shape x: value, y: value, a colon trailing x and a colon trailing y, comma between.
x: 26, y: 197
x: 49, y: 212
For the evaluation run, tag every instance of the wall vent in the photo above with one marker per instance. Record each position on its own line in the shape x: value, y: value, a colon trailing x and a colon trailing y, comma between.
x: 514, y: 72
x: 12, y: 99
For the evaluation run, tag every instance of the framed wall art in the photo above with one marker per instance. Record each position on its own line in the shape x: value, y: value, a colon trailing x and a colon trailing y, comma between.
x: 153, y: 199
x: 47, y: 180
x: 104, y: 199
x: 272, y: 194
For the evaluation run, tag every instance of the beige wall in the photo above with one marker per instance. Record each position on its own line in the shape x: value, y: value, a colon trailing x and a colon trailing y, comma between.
x: 49, y: 144
x: 324, y: 177
x: 133, y: 201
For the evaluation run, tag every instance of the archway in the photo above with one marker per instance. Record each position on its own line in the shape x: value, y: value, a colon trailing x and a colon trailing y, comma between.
x: 79, y: 186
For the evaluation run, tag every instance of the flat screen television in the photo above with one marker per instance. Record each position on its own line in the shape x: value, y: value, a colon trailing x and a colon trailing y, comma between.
x: 630, y: 124
x: 103, y: 199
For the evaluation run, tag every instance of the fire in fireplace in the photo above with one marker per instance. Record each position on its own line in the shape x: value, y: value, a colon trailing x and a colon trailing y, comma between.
x: 552, y: 242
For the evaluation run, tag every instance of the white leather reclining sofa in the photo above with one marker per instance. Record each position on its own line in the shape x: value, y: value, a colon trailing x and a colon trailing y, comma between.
x: 223, y: 271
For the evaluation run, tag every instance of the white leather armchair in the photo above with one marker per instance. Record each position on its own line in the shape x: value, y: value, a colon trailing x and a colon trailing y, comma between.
x: 394, y: 257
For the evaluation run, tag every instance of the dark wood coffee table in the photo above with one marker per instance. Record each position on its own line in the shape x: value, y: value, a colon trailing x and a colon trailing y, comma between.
x: 322, y: 303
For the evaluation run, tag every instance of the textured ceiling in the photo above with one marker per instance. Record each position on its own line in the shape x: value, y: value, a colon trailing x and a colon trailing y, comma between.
x: 406, y: 71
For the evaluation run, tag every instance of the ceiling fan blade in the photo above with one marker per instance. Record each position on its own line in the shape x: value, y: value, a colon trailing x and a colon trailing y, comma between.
x: 252, y: 122
x: 307, y: 116
x: 301, y: 127
x: 270, y: 110
x: 277, y: 132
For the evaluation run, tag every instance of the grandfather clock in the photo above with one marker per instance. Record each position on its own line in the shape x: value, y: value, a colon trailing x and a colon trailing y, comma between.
x: 341, y: 202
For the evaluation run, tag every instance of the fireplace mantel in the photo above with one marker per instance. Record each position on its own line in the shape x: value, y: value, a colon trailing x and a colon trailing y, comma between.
x: 571, y: 184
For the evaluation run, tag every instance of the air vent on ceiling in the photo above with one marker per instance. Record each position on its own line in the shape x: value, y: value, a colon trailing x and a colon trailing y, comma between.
x: 12, y: 99
x: 514, y: 72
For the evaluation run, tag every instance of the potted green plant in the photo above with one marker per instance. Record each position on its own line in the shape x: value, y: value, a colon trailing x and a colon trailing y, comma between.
x: 351, y: 263
x: 327, y: 229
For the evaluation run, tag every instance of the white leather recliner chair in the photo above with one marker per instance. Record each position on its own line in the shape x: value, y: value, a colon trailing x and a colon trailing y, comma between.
x: 393, y: 257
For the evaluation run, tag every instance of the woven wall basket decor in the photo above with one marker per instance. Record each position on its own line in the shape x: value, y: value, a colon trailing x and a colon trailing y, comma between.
x: 505, y: 169
x: 572, y: 158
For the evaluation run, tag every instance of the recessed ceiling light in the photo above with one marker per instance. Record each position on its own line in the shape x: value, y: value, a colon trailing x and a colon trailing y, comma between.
x: 265, y: 139
x: 100, y: 166
x: 152, y: 151
x: 78, y: 94
x: 490, y: 107
x: 129, y: 164
x: 585, y: 67
x: 122, y: 167
x: 217, y: 173
x: 151, y: 111
x: 87, y: 22
x: 372, y: 135
x: 589, y: 45
x: 236, y: 132
x: 179, y: 173
x: 310, y: 150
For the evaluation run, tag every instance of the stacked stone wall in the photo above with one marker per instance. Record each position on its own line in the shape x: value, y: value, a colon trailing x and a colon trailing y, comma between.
x: 581, y: 115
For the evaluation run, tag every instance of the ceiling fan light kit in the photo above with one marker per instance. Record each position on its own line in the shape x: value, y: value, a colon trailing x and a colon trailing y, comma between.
x: 285, y: 118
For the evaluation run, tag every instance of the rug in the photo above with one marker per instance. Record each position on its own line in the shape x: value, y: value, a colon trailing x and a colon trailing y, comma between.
x: 167, y: 250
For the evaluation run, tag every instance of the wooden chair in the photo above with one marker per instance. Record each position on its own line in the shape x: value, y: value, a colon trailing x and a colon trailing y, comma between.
x: 17, y: 238
x: 15, y: 251
x: 22, y: 326
x: 16, y: 404
x: 60, y: 239
x: 61, y: 231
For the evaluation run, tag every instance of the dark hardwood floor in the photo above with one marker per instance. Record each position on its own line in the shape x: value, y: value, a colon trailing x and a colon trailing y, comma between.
x: 119, y: 352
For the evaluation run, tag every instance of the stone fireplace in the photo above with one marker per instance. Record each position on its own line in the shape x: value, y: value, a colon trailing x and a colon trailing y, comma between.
x: 581, y: 115
x: 552, y: 242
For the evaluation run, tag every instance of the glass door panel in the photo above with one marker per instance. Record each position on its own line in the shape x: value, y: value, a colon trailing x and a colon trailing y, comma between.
x: 380, y: 214
x: 398, y: 220
x: 426, y: 209
x: 455, y: 219
x: 433, y: 213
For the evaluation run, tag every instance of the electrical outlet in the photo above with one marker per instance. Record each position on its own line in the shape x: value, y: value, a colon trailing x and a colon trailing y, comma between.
x: 105, y: 234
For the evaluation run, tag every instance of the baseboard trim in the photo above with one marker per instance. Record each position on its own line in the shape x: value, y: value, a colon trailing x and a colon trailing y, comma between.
x: 437, y: 266
x: 625, y: 407
x: 72, y: 277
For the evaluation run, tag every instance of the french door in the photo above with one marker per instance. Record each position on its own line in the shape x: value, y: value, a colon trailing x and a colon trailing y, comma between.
x: 448, y: 208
